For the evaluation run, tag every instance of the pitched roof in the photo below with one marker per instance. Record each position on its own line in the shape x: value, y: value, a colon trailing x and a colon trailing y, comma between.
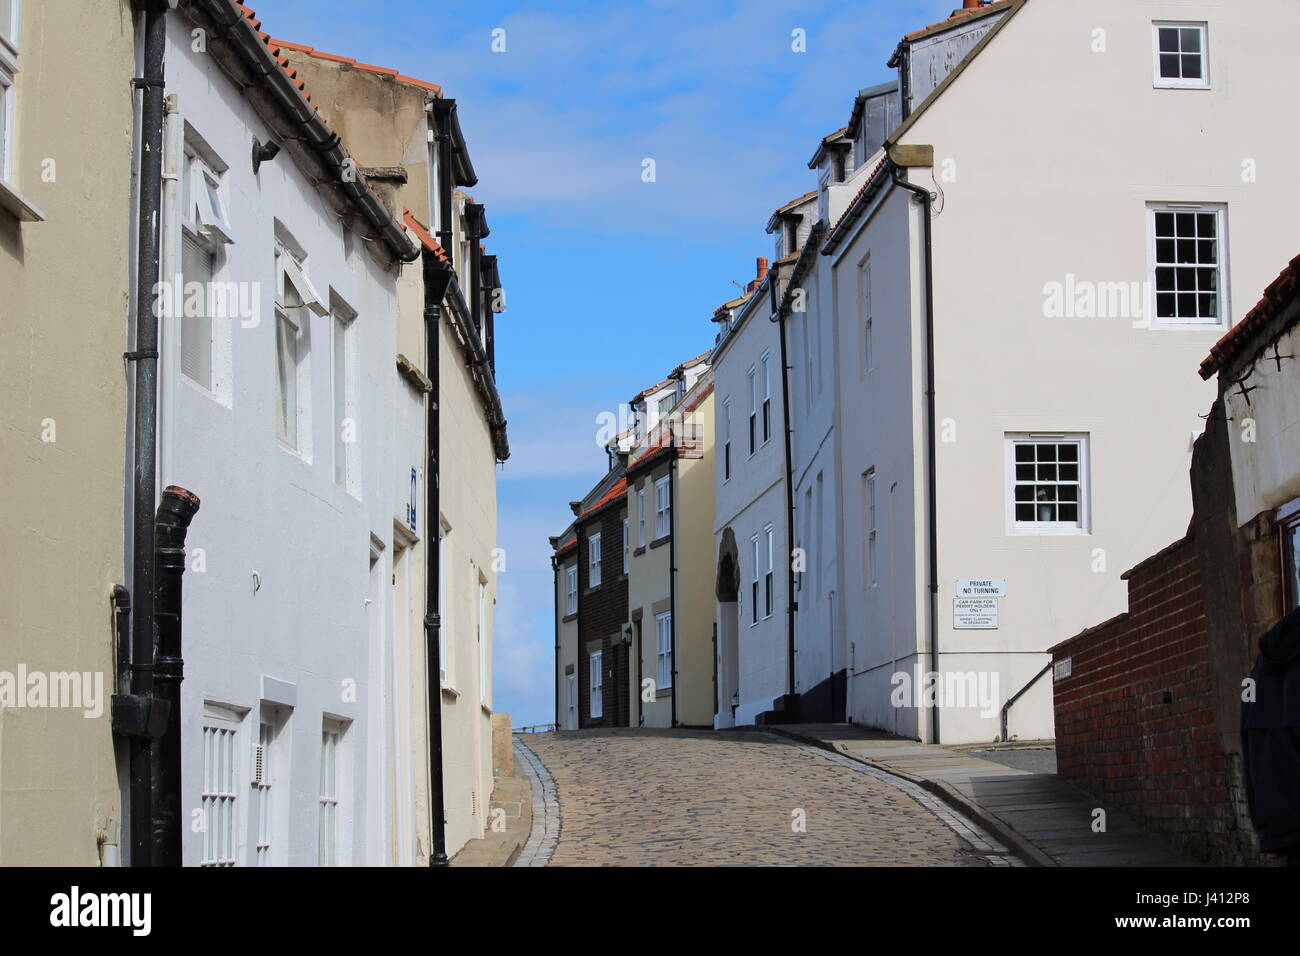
x: 958, y: 18
x: 570, y: 542
x: 854, y: 208
x: 1281, y: 292
x: 276, y: 43
x: 616, y: 491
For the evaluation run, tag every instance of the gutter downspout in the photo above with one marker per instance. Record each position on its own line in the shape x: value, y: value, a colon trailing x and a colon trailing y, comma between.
x: 792, y: 605
x: 433, y: 572
x: 145, y: 424
x: 442, y: 135
x: 175, y: 511
x: 672, y: 577
x: 555, y: 574
x: 925, y: 199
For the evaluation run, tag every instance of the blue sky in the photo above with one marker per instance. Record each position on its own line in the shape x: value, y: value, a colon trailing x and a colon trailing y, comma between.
x: 611, y: 281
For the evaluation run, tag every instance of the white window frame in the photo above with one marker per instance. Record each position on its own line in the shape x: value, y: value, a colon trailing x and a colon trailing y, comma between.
x: 1181, y: 83
x: 627, y: 549
x: 593, y: 560
x: 484, y: 685
x: 205, y: 213
x: 640, y: 504
x: 664, y: 650
x: 347, y: 454
x: 663, y: 508
x: 444, y: 643
x: 870, y: 516
x: 766, y: 363
x: 203, y: 325
x: 726, y: 439
x: 329, y: 805
x: 596, y: 685
x: 10, y: 42
x: 753, y: 411
x: 753, y: 582
x: 1220, y: 211
x: 1084, y: 523
x: 221, y: 807
x: 864, y: 296
x: 295, y: 321
x: 263, y: 778
x: 769, y: 584
x: 571, y: 589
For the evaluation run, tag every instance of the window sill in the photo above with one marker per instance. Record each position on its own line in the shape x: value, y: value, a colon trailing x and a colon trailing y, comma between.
x: 18, y: 204
x: 1032, y: 531
x: 591, y: 590
x: 660, y: 542
x: 293, y: 452
x: 569, y: 618
x: 1203, y: 87
x: 638, y: 551
x: 450, y: 692
x: 1216, y: 327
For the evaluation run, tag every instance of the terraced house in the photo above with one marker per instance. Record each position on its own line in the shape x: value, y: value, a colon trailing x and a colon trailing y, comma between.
x: 311, y: 379
x: 970, y: 410
x: 634, y: 622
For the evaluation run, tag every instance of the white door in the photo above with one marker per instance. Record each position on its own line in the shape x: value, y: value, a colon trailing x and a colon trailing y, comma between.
x: 572, y: 723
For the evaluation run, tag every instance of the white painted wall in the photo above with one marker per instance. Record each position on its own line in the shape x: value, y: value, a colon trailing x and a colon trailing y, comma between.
x: 307, y: 639
x: 751, y: 499
x: 1030, y: 203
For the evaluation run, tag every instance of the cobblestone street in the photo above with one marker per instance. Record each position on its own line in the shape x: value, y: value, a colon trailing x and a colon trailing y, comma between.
x: 659, y: 797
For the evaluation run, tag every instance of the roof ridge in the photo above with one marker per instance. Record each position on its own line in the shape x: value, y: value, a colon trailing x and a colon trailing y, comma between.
x: 277, y: 43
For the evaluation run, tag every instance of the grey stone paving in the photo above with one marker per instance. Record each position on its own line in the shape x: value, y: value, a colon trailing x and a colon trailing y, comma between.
x: 1030, y: 759
x: 546, y: 810
x: 636, y: 797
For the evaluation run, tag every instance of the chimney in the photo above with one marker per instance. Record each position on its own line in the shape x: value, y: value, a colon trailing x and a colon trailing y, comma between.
x: 972, y: 4
x: 762, y: 268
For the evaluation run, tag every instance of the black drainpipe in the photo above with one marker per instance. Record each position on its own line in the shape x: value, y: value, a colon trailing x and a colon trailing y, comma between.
x: 555, y: 573
x: 442, y: 135
x: 145, y: 425
x: 932, y: 503
x: 435, y: 281
x: 175, y: 511
x: 792, y: 604
x: 672, y: 573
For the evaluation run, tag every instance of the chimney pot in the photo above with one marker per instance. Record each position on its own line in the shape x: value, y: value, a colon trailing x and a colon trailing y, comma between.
x: 762, y: 267
x: 972, y: 5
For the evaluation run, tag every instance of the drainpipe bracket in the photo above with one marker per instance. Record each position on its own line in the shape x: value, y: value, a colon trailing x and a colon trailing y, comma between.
x: 134, y: 715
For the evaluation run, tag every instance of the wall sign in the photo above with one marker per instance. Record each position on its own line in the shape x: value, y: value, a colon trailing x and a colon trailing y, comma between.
x: 975, y: 613
x: 982, y: 587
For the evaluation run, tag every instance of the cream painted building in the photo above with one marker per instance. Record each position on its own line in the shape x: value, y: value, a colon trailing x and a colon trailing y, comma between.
x: 670, y: 558
x: 399, y: 126
x: 1074, y: 285
x: 63, y: 330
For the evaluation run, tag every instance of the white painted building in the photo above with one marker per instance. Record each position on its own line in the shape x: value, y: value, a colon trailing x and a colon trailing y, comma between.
x: 281, y: 416
x: 1106, y: 184
x: 749, y: 522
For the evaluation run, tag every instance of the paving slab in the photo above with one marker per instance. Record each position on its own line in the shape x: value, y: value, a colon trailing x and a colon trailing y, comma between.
x: 1048, y: 820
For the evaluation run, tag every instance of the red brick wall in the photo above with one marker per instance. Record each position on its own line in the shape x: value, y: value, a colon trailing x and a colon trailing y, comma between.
x: 1135, y: 719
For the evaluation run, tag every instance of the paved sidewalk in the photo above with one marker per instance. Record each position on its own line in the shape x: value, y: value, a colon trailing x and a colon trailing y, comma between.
x: 1045, y: 819
x: 512, y: 802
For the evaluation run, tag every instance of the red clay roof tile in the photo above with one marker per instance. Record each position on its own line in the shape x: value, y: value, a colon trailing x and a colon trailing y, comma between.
x: 1281, y: 291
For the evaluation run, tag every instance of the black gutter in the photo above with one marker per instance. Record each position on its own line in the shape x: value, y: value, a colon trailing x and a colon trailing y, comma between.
x: 309, y: 128
x: 475, y: 230
x: 478, y: 363
x: 454, y: 167
x: 555, y: 573
x: 779, y: 312
x: 491, y: 287
x: 436, y: 279
x: 145, y: 425
x: 175, y: 511
x: 925, y: 199
x: 672, y: 575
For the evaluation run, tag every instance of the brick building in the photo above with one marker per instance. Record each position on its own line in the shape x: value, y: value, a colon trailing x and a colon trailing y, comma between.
x: 1148, y: 704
